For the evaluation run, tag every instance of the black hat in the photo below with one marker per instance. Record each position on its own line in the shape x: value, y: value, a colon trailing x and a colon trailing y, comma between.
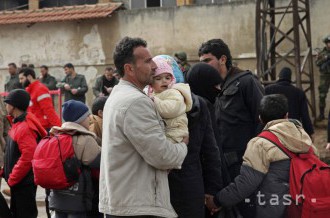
x: 285, y: 74
x: 326, y: 39
x: 18, y: 98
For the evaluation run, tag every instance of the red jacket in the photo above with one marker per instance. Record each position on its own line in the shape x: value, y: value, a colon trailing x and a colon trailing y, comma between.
x: 22, y: 140
x: 41, y: 105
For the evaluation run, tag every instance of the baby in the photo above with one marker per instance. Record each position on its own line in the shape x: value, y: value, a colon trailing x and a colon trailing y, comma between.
x: 172, y: 101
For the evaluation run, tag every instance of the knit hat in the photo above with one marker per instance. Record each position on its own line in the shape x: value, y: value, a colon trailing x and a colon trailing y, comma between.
x: 285, y: 74
x: 74, y: 111
x: 175, y: 67
x: 162, y: 67
x: 18, y: 98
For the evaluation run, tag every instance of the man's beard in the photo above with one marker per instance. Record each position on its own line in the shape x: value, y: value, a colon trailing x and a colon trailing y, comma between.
x: 26, y: 83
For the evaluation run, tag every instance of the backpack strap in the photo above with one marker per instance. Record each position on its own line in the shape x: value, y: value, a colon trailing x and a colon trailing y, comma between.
x: 268, y: 135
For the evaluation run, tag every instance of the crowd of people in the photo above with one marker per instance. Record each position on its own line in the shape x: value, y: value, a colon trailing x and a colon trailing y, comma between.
x: 164, y: 139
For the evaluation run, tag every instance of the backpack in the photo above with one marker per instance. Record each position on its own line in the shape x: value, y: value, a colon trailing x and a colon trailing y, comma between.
x: 54, y: 163
x: 309, y: 182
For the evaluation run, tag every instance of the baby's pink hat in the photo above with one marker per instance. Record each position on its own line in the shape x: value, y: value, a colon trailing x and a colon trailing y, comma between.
x: 162, y: 67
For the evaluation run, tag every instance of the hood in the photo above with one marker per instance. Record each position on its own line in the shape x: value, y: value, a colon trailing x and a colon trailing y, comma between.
x: 202, y: 79
x: 184, y: 89
x: 291, y: 134
x: 34, y: 124
x: 71, y: 129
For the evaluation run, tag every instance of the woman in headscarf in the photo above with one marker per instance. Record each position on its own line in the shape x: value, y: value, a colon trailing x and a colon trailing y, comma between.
x: 201, y: 170
x: 205, y: 82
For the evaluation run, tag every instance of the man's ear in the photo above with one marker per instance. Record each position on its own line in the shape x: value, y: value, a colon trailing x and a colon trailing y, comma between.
x: 100, y: 113
x: 128, y: 69
x: 223, y: 60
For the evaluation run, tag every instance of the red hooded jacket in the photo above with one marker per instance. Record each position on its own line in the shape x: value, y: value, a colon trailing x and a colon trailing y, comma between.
x: 22, y: 141
x: 41, y: 105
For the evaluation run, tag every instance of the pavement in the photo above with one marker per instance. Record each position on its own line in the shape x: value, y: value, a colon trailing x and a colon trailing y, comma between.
x: 40, y: 199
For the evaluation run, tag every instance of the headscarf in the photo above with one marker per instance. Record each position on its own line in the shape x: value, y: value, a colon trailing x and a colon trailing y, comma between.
x: 175, y: 67
x: 202, y: 79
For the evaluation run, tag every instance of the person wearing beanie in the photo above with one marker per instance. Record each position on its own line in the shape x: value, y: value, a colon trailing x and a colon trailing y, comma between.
x: 97, y: 116
x: 77, y: 200
x: 298, y: 108
x: 172, y: 101
x: 21, y: 143
x: 181, y: 59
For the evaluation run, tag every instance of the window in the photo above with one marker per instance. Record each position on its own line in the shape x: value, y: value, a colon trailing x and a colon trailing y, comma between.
x: 153, y: 3
x: 136, y: 4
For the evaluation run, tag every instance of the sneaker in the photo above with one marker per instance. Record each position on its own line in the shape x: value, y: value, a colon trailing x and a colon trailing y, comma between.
x: 6, y: 192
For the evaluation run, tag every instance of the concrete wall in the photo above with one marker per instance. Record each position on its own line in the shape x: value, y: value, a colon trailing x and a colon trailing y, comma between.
x: 89, y: 44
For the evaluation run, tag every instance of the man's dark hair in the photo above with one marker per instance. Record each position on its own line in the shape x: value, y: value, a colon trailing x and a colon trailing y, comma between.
x: 31, y: 66
x: 44, y: 66
x: 24, y: 65
x: 109, y: 69
x: 273, y: 107
x: 12, y: 64
x: 216, y: 47
x: 69, y: 65
x: 98, y: 104
x: 28, y: 71
x: 124, y: 52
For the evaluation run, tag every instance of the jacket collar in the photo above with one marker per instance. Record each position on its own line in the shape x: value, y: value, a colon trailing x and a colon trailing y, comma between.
x: 33, y: 85
x: 20, y: 118
x: 71, y: 129
x: 127, y: 83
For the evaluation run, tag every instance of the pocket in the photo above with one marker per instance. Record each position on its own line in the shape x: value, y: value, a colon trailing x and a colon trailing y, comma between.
x: 231, y: 90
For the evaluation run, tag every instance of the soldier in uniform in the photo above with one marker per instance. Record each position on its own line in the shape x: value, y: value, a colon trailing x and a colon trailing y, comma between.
x: 323, y: 62
x: 13, y: 82
x: 47, y: 79
x: 181, y: 59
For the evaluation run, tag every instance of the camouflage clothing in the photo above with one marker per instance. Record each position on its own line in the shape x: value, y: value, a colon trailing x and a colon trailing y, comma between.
x: 4, y: 127
x: 12, y: 83
x: 323, y: 62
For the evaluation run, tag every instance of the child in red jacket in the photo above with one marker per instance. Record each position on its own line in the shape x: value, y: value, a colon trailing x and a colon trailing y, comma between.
x: 22, y: 140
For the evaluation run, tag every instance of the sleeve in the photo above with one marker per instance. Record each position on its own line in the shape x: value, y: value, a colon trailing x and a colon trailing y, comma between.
x: 88, y: 151
x: 46, y: 105
x: 254, y: 168
x: 143, y: 129
x: 52, y: 83
x: 27, y: 144
x: 83, y: 86
x: 253, y: 93
x: 96, y: 87
x: 211, y: 161
x: 305, y: 119
x: 172, y: 106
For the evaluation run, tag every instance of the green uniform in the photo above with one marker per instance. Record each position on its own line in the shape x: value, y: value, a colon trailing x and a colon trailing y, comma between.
x: 12, y: 83
x: 323, y: 62
x: 78, y: 82
x: 4, y: 127
x: 49, y: 81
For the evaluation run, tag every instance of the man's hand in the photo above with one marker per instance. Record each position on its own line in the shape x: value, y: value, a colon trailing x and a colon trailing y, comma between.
x: 74, y: 91
x: 67, y: 87
x: 186, y: 140
x: 210, y: 204
x: 328, y: 146
x: 109, y: 89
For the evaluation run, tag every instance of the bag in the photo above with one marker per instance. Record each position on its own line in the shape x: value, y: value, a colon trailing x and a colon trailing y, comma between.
x: 309, y: 182
x: 54, y: 163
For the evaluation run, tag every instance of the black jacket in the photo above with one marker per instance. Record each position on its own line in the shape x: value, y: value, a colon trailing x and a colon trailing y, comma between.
x: 297, y: 101
x: 237, y: 110
x: 201, y: 169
